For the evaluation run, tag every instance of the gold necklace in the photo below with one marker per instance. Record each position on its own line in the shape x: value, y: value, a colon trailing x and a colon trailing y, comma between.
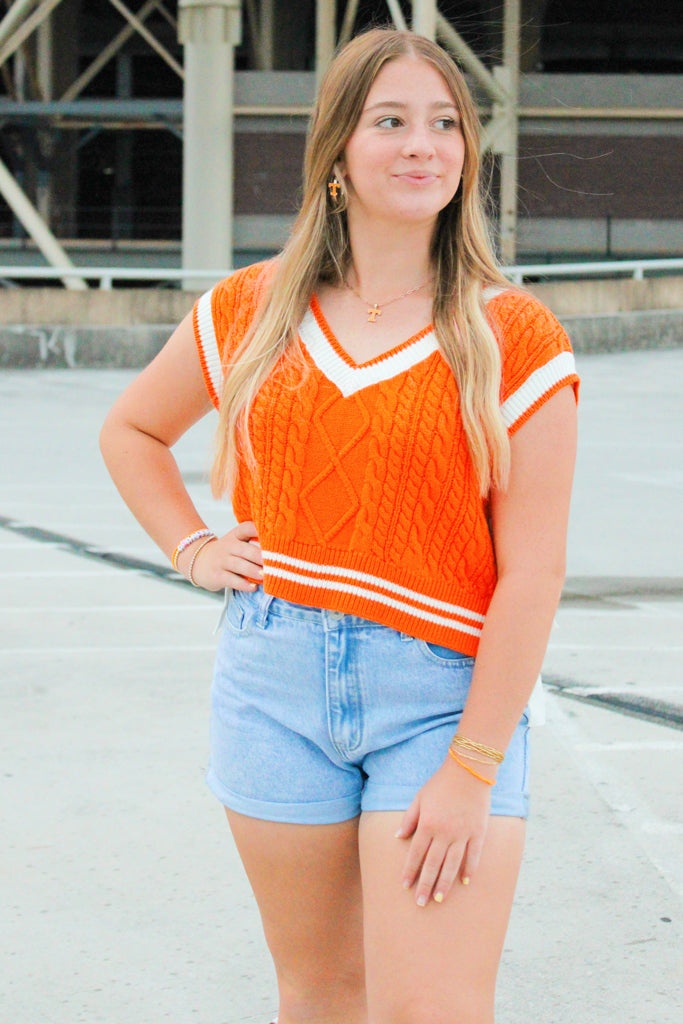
x: 375, y: 308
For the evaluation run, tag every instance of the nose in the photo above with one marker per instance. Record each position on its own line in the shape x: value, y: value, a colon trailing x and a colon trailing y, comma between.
x: 419, y: 143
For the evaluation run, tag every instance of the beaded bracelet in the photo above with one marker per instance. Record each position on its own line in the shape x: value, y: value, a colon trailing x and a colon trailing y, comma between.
x: 194, y: 558
x: 489, y: 782
x: 185, y: 543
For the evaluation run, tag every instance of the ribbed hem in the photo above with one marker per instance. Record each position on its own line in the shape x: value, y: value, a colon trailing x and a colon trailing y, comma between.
x: 360, y: 584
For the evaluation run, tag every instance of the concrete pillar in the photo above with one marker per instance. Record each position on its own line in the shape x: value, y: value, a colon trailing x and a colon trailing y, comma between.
x: 424, y: 18
x: 209, y: 30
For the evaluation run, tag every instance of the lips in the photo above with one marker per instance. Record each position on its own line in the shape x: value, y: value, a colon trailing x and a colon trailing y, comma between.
x: 417, y: 178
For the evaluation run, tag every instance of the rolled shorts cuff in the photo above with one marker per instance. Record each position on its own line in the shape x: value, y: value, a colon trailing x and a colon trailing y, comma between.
x: 318, y: 812
x: 399, y: 798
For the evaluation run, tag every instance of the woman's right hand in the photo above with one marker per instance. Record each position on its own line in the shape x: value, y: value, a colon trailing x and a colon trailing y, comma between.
x: 233, y: 560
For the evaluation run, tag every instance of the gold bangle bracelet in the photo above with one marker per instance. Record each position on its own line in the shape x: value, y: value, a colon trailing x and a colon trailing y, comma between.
x: 479, y: 748
x: 479, y: 760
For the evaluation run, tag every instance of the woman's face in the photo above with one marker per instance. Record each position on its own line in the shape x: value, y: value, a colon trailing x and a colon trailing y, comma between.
x: 404, y: 160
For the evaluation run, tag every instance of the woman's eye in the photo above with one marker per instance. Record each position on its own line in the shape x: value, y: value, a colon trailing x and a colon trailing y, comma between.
x: 389, y: 122
x: 447, y: 124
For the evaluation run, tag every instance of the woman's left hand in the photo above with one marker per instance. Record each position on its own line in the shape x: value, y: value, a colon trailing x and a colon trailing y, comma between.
x: 446, y: 824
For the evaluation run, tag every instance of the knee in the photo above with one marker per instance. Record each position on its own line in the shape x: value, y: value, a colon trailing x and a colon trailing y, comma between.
x: 320, y: 994
x: 465, y: 1008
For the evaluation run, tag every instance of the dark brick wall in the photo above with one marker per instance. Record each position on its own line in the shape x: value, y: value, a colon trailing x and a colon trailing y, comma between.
x: 616, y: 176
x: 268, y: 172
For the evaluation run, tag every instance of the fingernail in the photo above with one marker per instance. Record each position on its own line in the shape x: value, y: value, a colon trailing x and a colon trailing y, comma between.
x: 406, y: 883
x: 438, y: 897
x: 260, y: 572
x: 397, y: 835
x: 466, y: 880
x: 422, y: 901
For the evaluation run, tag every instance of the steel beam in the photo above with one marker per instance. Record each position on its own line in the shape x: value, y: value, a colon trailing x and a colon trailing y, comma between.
x: 25, y: 211
x: 254, y: 23
x: 350, y: 13
x: 267, y: 26
x: 110, y: 50
x: 325, y: 36
x: 471, y: 63
x: 397, y: 15
x: 24, y: 30
x: 508, y: 151
x: 424, y: 18
x: 14, y: 16
x: 148, y: 37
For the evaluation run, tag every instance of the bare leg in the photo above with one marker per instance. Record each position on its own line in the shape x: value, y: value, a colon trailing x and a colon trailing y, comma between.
x: 435, y: 964
x: 306, y: 879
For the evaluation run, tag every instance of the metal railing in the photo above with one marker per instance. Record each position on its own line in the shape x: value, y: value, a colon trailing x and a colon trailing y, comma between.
x: 636, y: 269
x: 105, y: 276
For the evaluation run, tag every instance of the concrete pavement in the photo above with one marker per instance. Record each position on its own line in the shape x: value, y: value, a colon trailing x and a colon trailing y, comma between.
x: 123, y: 900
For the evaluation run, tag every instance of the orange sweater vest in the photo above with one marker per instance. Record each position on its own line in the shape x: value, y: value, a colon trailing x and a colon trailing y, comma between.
x: 365, y: 499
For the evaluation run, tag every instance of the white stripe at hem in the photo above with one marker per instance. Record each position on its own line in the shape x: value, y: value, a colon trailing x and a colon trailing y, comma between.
x: 372, y: 595
x: 209, y: 341
x: 539, y: 383
x: 377, y: 581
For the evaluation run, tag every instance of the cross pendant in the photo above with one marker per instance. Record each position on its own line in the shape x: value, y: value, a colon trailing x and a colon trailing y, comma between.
x: 374, y: 313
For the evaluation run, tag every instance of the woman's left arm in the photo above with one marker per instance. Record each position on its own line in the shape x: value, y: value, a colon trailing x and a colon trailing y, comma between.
x: 448, y: 818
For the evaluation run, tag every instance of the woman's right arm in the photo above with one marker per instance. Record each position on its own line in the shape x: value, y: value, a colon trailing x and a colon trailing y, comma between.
x: 160, y: 405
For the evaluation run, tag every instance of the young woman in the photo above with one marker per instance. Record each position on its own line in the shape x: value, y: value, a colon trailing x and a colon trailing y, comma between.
x: 397, y: 435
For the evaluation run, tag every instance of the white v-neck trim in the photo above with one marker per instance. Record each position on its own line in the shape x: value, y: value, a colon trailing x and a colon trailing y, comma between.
x: 349, y: 378
x: 492, y: 292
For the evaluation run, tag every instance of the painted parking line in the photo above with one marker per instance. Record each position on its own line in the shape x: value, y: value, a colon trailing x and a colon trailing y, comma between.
x: 49, y: 652
x: 616, y: 647
x: 631, y: 745
x: 101, y: 609
x: 649, y: 709
x: 92, y: 552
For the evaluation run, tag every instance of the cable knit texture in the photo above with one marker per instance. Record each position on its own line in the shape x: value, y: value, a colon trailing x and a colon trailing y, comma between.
x: 365, y: 498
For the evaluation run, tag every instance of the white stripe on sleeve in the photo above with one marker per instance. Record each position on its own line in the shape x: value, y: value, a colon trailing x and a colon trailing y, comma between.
x: 534, y: 387
x: 209, y: 341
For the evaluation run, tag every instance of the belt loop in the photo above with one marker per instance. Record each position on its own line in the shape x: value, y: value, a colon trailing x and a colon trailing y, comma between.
x: 264, y: 608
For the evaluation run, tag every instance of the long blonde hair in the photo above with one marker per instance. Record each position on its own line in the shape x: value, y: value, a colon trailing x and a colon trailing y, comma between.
x: 319, y: 250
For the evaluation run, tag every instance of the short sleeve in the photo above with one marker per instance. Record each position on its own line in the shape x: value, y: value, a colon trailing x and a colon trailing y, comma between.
x: 537, y: 355
x: 221, y: 318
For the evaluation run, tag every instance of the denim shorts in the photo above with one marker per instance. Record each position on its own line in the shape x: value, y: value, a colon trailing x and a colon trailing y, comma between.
x: 318, y: 715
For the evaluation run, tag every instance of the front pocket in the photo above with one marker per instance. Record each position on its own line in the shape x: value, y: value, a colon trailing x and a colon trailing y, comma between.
x: 445, y: 655
x: 235, y: 619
